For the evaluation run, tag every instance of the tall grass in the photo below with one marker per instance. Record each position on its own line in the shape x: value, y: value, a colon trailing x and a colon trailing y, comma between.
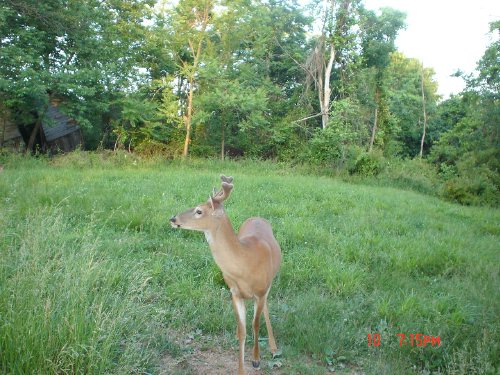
x: 93, y: 280
x: 70, y: 299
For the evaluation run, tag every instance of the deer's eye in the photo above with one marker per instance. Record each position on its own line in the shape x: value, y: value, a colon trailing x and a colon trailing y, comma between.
x: 198, y: 212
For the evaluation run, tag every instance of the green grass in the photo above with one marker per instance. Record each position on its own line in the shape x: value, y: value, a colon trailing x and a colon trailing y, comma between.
x: 93, y: 280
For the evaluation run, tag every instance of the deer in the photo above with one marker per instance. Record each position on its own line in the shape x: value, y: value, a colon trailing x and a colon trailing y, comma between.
x: 249, y: 261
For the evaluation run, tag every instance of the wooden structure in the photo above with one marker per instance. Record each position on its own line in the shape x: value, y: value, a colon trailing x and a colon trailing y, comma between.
x: 61, y: 132
x: 57, y: 132
x: 9, y: 133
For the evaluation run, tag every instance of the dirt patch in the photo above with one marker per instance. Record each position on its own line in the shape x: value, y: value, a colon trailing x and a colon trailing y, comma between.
x: 203, y: 355
x: 196, y: 353
x: 210, y: 362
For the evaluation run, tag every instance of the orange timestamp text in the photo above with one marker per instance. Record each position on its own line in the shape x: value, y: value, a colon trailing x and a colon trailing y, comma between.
x: 412, y: 339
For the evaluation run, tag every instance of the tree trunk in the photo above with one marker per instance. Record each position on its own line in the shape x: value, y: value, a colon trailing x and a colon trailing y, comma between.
x: 425, y: 113
x: 375, y: 121
x: 187, y: 119
x: 325, y: 101
x: 196, y: 54
x: 116, y: 143
x: 324, y: 81
x: 320, y: 63
x: 33, y: 135
x: 374, y: 129
x: 222, y: 145
x: 4, y: 125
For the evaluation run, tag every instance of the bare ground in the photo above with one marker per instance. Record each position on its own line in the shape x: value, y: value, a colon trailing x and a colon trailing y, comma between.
x: 202, y: 355
x: 196, y: 353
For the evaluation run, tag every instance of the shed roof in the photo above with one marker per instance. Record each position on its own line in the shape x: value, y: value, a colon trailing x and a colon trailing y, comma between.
x: 57, y: 124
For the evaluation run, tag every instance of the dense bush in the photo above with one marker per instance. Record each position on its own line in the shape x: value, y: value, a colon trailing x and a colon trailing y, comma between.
x: 467, y: 155
x: 152, y: 148
x: 325, y: 147
x: 367, y: 164
x: 474, y: 180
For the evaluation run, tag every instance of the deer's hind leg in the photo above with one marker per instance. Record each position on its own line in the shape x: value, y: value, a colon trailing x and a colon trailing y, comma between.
x: 272, y: 342
x: 259, y: 304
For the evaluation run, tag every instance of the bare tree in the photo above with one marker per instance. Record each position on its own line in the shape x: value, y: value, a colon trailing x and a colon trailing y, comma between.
x: 424, y: 111
x: 375, y: 119
x: 319, y: 65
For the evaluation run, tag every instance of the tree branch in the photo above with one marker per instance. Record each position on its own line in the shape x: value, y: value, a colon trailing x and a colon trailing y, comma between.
x: 308, y: 117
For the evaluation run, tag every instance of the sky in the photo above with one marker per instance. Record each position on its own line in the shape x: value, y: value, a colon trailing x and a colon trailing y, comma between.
x: 446, y: 35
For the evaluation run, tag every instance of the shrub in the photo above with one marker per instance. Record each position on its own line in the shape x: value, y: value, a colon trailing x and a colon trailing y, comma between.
x: 473, y: 180
x: 324, y: 147
x: 367, y: 164
x: 151, y: 148
x: 471, y: 190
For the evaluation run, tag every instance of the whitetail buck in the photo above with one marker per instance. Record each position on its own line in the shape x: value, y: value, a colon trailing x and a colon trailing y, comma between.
x: 248, y: 261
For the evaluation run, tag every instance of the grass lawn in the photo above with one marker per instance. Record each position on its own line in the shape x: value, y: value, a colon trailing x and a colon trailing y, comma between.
x: 93, y: 280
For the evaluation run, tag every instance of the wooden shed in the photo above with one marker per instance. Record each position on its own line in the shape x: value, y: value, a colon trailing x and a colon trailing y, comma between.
x: 61, y: 132
x: 57, y: 132
x: 9, y: 133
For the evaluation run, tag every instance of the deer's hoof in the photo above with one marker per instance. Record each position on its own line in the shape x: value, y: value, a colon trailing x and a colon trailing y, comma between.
x: 256, y: 364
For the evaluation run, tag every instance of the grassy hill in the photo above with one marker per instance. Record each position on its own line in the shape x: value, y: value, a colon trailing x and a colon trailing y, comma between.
x: 93, y: 279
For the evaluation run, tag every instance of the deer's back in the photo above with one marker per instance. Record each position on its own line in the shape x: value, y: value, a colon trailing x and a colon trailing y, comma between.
x: 259, y: 233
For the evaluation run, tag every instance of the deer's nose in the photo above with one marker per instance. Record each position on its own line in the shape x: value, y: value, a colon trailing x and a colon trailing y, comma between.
x: 173, y: 219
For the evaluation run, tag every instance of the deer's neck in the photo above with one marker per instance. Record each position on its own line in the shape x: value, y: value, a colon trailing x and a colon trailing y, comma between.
x: 225, y: 246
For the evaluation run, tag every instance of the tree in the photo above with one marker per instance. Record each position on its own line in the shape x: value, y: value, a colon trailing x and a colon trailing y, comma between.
x: 378, y: 37
x: 82, y: 52
x: 424, y: 111
x: 467, y: 155
x: 405, y: 78
x: 319, y: 65
x: 249, y: 79
x: 190, y: 22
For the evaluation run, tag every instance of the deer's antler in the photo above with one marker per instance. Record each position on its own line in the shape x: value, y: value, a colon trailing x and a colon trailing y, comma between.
x: 223, y: 193
x: 229, y: 179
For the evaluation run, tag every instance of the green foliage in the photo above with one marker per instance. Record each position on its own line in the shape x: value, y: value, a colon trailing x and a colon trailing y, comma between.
x: 324, y: 146
x: 287, y: 137
x: 86, y: 53
x: 138, y: 122
x: 131, y: 73
x: 487, y: 81
x: 235, y: 112
x: 330, y: 146
x: 247, y: 78
x: 379, y: 34
x: 474, y: 179
x: 448, y: 113
x: 404, y: 80
x: 467, y: 153
x: 367, y: 164
x: 410, y: 174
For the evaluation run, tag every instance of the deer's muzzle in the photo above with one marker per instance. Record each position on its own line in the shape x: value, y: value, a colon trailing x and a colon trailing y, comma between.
x: 173, y: 222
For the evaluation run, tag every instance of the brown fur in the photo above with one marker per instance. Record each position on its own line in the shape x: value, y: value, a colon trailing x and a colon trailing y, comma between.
x: 249, y: 260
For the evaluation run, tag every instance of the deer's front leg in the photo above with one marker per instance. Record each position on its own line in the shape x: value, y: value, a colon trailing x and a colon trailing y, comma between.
x: 239, y: 311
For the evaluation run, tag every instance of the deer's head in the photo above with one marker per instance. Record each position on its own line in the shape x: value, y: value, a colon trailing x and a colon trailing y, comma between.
x: 207, y: 215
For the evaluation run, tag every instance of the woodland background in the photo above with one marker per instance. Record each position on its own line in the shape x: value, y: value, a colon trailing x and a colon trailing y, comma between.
x: 320, y: 85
